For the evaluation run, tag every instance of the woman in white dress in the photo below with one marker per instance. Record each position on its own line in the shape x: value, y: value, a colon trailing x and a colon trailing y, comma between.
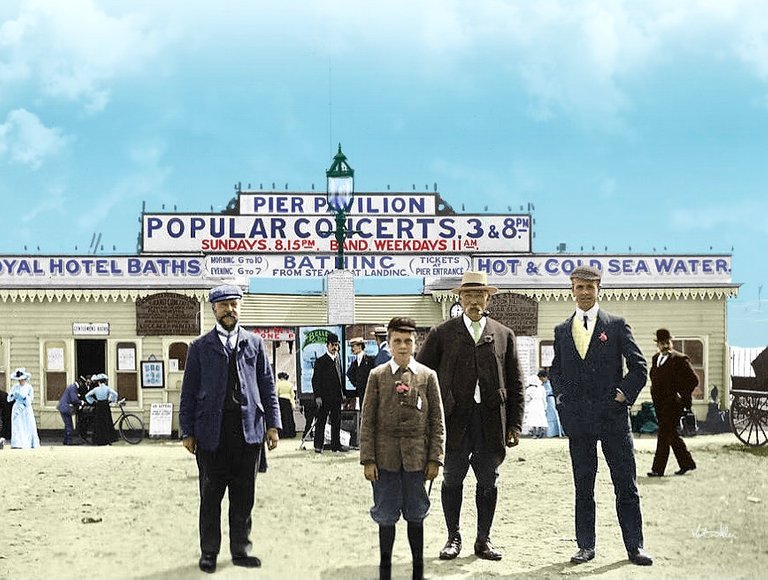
x: 23, y: 426
x: 535, y: 417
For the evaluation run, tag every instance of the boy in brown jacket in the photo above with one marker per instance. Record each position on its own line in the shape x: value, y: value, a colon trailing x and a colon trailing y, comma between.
x: 402, y: 443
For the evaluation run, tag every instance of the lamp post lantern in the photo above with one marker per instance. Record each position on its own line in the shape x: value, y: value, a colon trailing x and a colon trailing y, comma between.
x: 340, y: 191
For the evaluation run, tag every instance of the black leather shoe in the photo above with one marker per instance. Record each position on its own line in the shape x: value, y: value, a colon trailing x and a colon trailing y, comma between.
x: 655, y: 474
x: 341, y: 449
x: 246, y: 561
x: 684, y: 470
x: 208, y: 563
x: 640, y: 557
x: 485, y: 550
x: 583, y: 556
x: 318, y: 450
x: 452, y: 547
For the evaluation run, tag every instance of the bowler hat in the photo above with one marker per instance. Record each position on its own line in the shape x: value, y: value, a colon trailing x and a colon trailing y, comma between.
x: 472, y: 280
x: 225, y: 292
x: 663, y: 335
x: 357, y: 340
x: 402, y: 324
x: 332, y: 338
x: 589, y: 273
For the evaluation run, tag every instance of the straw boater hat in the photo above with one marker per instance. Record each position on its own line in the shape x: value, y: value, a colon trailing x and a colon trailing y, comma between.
x: 357, y: 340
x: 474, y: 281
x: 379, y: 331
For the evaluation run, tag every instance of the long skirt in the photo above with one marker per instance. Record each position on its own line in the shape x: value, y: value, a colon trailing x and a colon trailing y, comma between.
x: 23, y: 427
x: 286, y: 415
x: 104, y: 431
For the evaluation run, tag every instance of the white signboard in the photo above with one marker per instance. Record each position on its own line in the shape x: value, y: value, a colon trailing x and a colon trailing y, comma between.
x: 341, y: 297
x: 619, y: 270
x: 90, y: 328
x: 210, y: 233
x: 101, y: 272
x: 264, y: 203
x: 240, y: 267
x: 160, y: 419
x: 526, y: 356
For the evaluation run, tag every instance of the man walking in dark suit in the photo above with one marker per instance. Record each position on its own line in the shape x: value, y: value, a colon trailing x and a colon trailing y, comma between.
x: 593, y: 398
x: 228, y: 409
x: 480, y: 381
x: 328, y: 389
x: 672, y: 382
x: 360, y: 367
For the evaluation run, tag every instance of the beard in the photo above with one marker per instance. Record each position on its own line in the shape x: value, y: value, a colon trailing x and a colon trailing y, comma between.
x: 228, y: 322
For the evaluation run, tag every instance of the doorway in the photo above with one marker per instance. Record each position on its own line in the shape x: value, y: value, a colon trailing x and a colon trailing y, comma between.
x: 90, y: 357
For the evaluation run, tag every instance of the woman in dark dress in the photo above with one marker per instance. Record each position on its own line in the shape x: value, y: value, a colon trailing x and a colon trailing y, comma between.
x: 100, y: 397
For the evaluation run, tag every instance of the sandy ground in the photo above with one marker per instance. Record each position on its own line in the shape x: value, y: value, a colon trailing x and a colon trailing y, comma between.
x: 131, y: 512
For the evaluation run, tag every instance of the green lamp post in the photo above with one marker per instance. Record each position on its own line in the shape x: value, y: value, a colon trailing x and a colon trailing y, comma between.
x: 340, y: 191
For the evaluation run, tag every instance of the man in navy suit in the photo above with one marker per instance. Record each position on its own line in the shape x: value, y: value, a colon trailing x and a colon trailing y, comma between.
x: 593, y: 398
x: 228, y: 409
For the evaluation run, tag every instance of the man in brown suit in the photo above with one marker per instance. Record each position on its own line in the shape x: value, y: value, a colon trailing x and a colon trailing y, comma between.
x: 672, y: 382
x: 480, y: 381
x: 402, y: 440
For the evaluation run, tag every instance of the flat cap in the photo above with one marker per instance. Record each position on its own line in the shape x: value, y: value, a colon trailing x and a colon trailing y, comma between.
x: 357, y: 340
x: 402, y: 324
x: 225, y: 292
x: 586, y: 273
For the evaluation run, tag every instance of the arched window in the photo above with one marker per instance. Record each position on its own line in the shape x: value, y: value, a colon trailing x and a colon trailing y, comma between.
x: 178, y: 351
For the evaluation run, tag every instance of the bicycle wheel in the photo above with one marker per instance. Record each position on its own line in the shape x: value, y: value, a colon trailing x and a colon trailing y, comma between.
x: 85, y: 424
x: 131, y: 428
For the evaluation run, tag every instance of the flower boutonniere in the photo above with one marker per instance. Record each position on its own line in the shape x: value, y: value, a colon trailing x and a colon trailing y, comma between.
x: 488, y: 338
x: 402, y: 387
x: 602, y: 337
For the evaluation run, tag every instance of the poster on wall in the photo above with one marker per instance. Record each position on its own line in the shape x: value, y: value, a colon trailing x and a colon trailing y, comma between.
x: 55, y: 358
x: 312, y: 340
x: 126, y: 359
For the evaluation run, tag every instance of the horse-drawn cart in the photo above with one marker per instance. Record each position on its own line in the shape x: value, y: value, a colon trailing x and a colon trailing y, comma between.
x: 749, y: 404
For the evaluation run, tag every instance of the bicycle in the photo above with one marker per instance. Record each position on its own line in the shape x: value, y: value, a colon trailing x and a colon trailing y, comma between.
x: 129, y: 426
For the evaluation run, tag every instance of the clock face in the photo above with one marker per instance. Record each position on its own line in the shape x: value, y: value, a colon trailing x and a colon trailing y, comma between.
x: 456, y: 310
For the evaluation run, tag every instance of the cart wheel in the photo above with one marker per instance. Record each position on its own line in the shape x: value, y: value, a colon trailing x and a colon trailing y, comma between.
x: 749, y: 419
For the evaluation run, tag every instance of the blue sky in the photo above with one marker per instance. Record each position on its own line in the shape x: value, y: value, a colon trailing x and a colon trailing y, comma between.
x: 649, y: 118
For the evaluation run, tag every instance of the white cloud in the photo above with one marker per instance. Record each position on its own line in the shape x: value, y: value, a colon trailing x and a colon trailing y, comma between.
x: 74, y: 50
x: 25, y: 139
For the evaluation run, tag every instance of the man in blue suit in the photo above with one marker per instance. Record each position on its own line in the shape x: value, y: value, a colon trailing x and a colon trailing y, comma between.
x: 228, y: 409
x: 593, y: 398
